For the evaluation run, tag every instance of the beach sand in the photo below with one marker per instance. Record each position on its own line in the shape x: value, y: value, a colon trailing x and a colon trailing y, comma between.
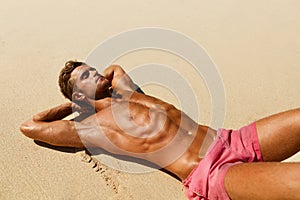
x: 254, y: 45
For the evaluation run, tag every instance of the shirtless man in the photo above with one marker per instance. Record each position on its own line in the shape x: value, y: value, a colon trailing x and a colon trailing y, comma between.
x: 129, y: 123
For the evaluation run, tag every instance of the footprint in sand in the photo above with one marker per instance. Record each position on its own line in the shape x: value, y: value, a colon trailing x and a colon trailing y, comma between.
x: 107, y: 174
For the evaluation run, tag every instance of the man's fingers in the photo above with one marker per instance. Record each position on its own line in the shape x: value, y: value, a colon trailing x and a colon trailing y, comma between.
x: 75, y: 107
x: 81, y: 109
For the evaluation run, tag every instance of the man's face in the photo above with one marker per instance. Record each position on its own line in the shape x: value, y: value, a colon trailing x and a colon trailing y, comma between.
x: 89, y: 82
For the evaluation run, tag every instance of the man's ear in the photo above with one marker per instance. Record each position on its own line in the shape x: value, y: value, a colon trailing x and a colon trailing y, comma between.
x: 78, y: 96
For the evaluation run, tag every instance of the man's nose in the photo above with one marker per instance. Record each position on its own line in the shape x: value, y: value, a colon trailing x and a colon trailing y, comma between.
x: 95, y: 73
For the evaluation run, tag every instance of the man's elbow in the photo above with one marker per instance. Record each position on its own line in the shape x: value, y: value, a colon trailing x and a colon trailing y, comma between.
x: 27, y: 127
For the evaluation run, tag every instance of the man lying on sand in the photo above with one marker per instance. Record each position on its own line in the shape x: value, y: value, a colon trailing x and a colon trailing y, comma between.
x: 239, y: 164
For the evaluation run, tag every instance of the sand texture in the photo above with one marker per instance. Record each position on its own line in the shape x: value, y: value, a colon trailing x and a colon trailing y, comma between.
x: 255, y: 46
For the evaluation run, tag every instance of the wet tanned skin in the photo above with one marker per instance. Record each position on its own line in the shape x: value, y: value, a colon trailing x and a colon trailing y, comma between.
x: 129, y: 123
x: 135, y: 124
x: 147, y: 126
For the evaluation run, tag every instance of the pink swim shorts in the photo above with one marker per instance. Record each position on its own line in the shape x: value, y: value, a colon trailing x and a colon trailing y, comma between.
x: 230, y: 147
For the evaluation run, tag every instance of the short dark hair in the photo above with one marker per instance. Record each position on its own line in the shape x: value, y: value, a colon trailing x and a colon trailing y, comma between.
x: 66, y: 85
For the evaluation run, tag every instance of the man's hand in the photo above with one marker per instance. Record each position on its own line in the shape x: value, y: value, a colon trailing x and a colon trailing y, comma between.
x: 118, y: 78
x: 82, y: 109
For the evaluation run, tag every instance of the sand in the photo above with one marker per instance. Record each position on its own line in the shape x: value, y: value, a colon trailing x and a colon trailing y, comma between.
x: 254, y: 45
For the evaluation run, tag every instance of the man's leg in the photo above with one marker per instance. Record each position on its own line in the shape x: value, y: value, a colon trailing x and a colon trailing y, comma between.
x: 279, y: 135
x: 265, y: 180
x: 279, y: 138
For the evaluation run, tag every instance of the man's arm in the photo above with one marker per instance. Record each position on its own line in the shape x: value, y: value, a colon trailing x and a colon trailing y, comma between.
x: 119, y: 79
x: 49, y: 127
x: 56, y: 113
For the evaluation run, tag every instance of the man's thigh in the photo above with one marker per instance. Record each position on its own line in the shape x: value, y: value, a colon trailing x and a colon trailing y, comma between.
x: 279, y: 135
x: 265, y: 180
